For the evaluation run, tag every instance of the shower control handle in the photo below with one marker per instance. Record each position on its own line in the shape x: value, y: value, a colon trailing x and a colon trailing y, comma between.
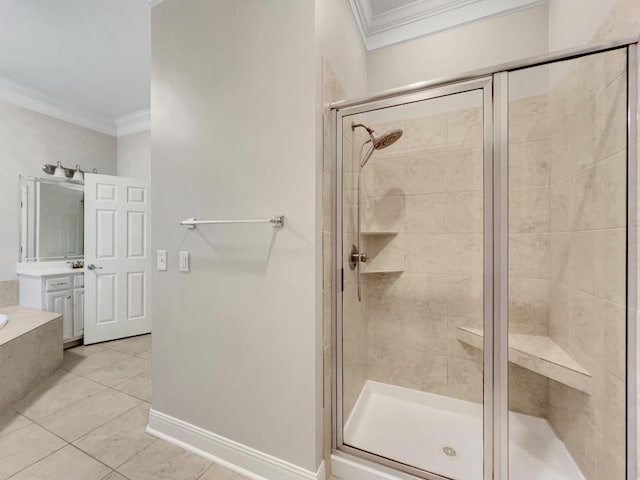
x: 362, y: 257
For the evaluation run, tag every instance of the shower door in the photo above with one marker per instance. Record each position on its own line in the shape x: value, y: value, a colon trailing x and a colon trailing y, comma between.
x: 414, y: 383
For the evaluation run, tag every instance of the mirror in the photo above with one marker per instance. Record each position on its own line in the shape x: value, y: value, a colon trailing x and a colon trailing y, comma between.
x: 52, y: 220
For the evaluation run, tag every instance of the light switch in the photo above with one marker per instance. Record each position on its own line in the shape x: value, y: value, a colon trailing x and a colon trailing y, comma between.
x: 161, y: 260
x: 184, y: 261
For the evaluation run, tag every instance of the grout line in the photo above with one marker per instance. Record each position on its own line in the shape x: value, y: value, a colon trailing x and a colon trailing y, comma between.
x: 136, y: 454
x: 66, y: 442
x: 97, y: 459
x: 19, y: 428
x: 39, y: 460
x: 102, y: 425
x: 62, y: 408
x: 116, y: 472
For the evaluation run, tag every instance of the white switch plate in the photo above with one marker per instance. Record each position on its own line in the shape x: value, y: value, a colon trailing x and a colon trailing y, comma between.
x: 161, y: 260
x: 184, y: 261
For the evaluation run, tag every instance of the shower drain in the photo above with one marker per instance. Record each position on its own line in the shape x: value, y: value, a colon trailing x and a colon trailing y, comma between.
x: 449, y: 452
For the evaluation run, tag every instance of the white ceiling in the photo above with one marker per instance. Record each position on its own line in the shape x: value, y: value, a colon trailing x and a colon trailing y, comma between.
x: 92, y: 55
x: 387, y: 22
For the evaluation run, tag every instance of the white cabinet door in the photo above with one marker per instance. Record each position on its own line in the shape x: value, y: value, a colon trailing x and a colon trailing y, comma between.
x: 60, y: 302
x: 78, y: 312
x: 117, y: 257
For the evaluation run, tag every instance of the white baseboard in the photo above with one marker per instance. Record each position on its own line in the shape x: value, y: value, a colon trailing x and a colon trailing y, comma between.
x: 234, y: 456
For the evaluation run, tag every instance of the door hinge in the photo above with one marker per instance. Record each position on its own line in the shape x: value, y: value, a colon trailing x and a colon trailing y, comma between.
x: 342, y: 279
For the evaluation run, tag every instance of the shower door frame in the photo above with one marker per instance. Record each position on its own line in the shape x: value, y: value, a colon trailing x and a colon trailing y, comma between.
x: 483, y: 84
x: 493, y: 82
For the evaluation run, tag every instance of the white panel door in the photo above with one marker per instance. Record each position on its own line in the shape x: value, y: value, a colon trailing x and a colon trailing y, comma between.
x: 117, y: 257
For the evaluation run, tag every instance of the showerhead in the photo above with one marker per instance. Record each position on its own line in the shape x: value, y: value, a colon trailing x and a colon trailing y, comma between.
x: 386, y: 139
x: 378, y: 142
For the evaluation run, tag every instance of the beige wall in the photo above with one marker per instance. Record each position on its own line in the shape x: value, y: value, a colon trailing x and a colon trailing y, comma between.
x: 27, y: 141
x: 462, y: 49
x: 237, y: 341
x: 134, y: 155
x: 564, y: 29
x: 340, y: 45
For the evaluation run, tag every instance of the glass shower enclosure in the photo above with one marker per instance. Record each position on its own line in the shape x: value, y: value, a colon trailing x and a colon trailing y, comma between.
x: 486, y: 273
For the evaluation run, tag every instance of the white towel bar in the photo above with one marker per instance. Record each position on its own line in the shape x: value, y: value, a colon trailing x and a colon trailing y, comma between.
x: 277, y: 221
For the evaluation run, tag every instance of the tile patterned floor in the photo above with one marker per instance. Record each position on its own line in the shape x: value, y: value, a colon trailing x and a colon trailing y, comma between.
x: 87, y: 422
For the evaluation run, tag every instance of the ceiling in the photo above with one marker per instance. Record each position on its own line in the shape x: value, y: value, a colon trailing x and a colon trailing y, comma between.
x: 89, y: 56
x: 387, y: 22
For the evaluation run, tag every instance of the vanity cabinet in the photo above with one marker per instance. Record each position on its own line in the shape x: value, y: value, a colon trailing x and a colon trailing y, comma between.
x: 59, y: 293
x: 62, y: 303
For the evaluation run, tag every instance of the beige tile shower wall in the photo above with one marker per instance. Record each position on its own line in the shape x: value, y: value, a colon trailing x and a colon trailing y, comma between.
x: 623, y: 21
x: 587, y: 257
x: 428, y: 188
x: 356, y: 316
x: 529, y: 220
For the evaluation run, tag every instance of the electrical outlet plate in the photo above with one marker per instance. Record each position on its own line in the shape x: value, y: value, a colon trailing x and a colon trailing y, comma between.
x: 184, y: 261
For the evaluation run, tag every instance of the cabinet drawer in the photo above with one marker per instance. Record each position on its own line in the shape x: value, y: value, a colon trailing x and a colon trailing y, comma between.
x: 58, y: 283
x: 78, y: 281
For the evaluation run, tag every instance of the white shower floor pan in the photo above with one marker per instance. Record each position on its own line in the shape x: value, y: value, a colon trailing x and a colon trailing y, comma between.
x: 443, y: 435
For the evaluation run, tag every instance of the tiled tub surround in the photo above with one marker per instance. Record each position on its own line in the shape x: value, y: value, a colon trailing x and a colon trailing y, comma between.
x: 9, y: 293
x: 30, y: 351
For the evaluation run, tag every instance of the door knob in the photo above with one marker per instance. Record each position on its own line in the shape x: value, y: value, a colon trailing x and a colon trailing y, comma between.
x: 93, y: 267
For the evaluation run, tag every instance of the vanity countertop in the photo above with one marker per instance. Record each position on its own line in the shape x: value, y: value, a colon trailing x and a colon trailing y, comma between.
x: 43, y: 269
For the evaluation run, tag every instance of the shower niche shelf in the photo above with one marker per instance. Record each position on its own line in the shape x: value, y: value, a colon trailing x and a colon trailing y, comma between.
x: 385, y: 252
x: 380, y: 270
x: 539, y: 354
x: 379, y: 233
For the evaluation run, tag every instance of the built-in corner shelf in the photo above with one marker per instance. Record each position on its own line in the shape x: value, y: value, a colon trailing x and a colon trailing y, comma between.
x: 538, y: 354
x: 379, y: 233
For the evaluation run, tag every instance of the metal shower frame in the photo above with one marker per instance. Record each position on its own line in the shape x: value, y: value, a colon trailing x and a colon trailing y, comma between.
x: 493, y: 82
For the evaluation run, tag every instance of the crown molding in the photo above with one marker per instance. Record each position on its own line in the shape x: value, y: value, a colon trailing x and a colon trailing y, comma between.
x: 39, y: 102
x: 424, y: 17
x: 15, y: 94
x: 153, y: 3
x: 134, y: 122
